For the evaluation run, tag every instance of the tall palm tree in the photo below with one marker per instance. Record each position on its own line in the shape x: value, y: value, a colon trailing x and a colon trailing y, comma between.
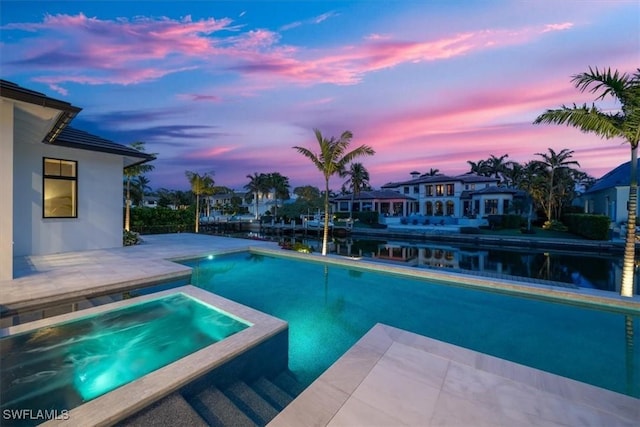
x: 552, y: 163
x: 280, y: 186
x: 199, y: 186
x: 130, y: 173
x: 358, y: 181
x: 331, y: 160
x: 258, y: 184
x: 624, y: 124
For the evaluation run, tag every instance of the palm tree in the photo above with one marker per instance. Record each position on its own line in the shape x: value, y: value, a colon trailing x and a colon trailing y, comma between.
x: 497, y: 166
x: 258, y: 184
x: 280, y: 185
x: 624, y: 124
x: 199, y: 186
x: 140, y: 187
x: 358, y: 181
x: 331, y: 160
x: 479, y: 168
x: 552, y: 163
x: 129, y: 173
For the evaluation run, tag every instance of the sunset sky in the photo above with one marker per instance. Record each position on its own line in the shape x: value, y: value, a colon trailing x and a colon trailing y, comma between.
x: 231, y: 86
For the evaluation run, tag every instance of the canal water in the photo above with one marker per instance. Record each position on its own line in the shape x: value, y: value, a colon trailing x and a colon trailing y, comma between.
x: 581, y: 269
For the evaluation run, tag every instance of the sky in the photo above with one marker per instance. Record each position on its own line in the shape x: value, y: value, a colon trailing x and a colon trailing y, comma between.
x: 230, y: 87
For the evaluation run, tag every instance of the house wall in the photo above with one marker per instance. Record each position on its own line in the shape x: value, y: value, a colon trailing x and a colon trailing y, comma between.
x: 99, y: 223
x: 611, y: 202
x: 499, y: 197
x: 6, y: 189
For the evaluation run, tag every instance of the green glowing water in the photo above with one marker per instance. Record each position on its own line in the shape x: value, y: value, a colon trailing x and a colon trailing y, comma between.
x: 63, y: 366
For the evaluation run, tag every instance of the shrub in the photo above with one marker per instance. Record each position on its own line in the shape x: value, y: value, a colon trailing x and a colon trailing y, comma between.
x: 162, y: 220
x: 594, y: 227
x: 130, y: 238
x: 554, y: 225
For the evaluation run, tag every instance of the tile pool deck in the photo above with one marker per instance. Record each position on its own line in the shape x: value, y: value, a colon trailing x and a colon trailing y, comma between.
x: 491, y: 399
x: 392, y: 377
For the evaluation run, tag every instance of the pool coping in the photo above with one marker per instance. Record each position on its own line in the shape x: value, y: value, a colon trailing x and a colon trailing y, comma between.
x: 593, y: 298
x: 136, y: 395
x: 395, y: 377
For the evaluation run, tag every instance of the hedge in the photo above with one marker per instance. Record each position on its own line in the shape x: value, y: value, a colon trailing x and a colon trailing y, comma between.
x: 594, y: 227
x: 162, y: 220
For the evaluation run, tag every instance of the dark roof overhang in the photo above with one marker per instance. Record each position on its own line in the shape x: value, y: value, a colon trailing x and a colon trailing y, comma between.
x: 68, y: 112
x: 76, y: 138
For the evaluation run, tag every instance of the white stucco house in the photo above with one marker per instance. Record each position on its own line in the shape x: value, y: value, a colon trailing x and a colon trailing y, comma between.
x: 460, y: 196
x: 61, y: 187
x: 610, y: 194
x: 384, y: 202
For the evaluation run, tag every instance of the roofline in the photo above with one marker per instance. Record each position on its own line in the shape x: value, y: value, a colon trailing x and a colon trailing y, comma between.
x: 18, y: 93
x: 145, y: 157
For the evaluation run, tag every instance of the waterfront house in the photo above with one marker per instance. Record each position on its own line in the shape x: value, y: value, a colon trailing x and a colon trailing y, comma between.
x: 468, y: 195
x: 609, y: 195
x: 385, y: 202
x: 61, y: 187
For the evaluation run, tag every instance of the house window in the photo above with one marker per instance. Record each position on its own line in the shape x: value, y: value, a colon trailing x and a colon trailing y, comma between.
x: 505, y: 206
x: 429, y: 190
x: 60, y: 188
x: 343, y: 206
x: 406, y: 190
x: 429, y: 208
x: 439, y: 190
x: 491, y: 206
x: 416, y: 189
x: 450, y: 207
x: 449, y: 189
x: 439, y: 208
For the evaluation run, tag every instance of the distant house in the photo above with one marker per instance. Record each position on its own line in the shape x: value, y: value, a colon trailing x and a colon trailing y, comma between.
x: 61, y: 187
x: 610, y: 194
x: 467, y: 195
x: 385, y: 202
x: 494, y: 200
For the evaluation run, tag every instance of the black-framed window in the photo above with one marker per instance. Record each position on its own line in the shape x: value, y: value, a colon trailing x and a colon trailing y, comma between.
x: 59, y: 188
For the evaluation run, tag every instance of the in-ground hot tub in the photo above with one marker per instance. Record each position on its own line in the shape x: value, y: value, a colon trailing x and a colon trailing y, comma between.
x: 142, y: 349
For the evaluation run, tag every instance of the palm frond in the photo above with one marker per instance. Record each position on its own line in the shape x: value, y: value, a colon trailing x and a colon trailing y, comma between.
x: 587, y: 119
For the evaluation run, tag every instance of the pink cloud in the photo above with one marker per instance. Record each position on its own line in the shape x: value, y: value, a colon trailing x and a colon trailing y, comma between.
x: 209, y: 152
x: 558, y: 27
x: 124, y: 51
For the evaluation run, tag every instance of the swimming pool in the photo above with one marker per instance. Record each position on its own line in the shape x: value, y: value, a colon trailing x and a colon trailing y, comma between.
x: 66, y: 364
x: 329, y: 307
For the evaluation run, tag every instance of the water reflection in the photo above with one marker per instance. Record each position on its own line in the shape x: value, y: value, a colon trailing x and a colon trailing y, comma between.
x: 573, y: 269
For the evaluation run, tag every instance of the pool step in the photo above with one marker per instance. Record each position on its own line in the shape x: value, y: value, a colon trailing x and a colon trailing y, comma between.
x: 273, y: 394
x: 172, y: 410
x: 287, y: 381
x: 251, y: 403
x: 218, y: 410
x: 237, y: 405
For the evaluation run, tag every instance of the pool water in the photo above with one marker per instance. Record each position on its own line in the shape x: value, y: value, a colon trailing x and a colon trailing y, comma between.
x: 67, y: 364
x: 330, y: 307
